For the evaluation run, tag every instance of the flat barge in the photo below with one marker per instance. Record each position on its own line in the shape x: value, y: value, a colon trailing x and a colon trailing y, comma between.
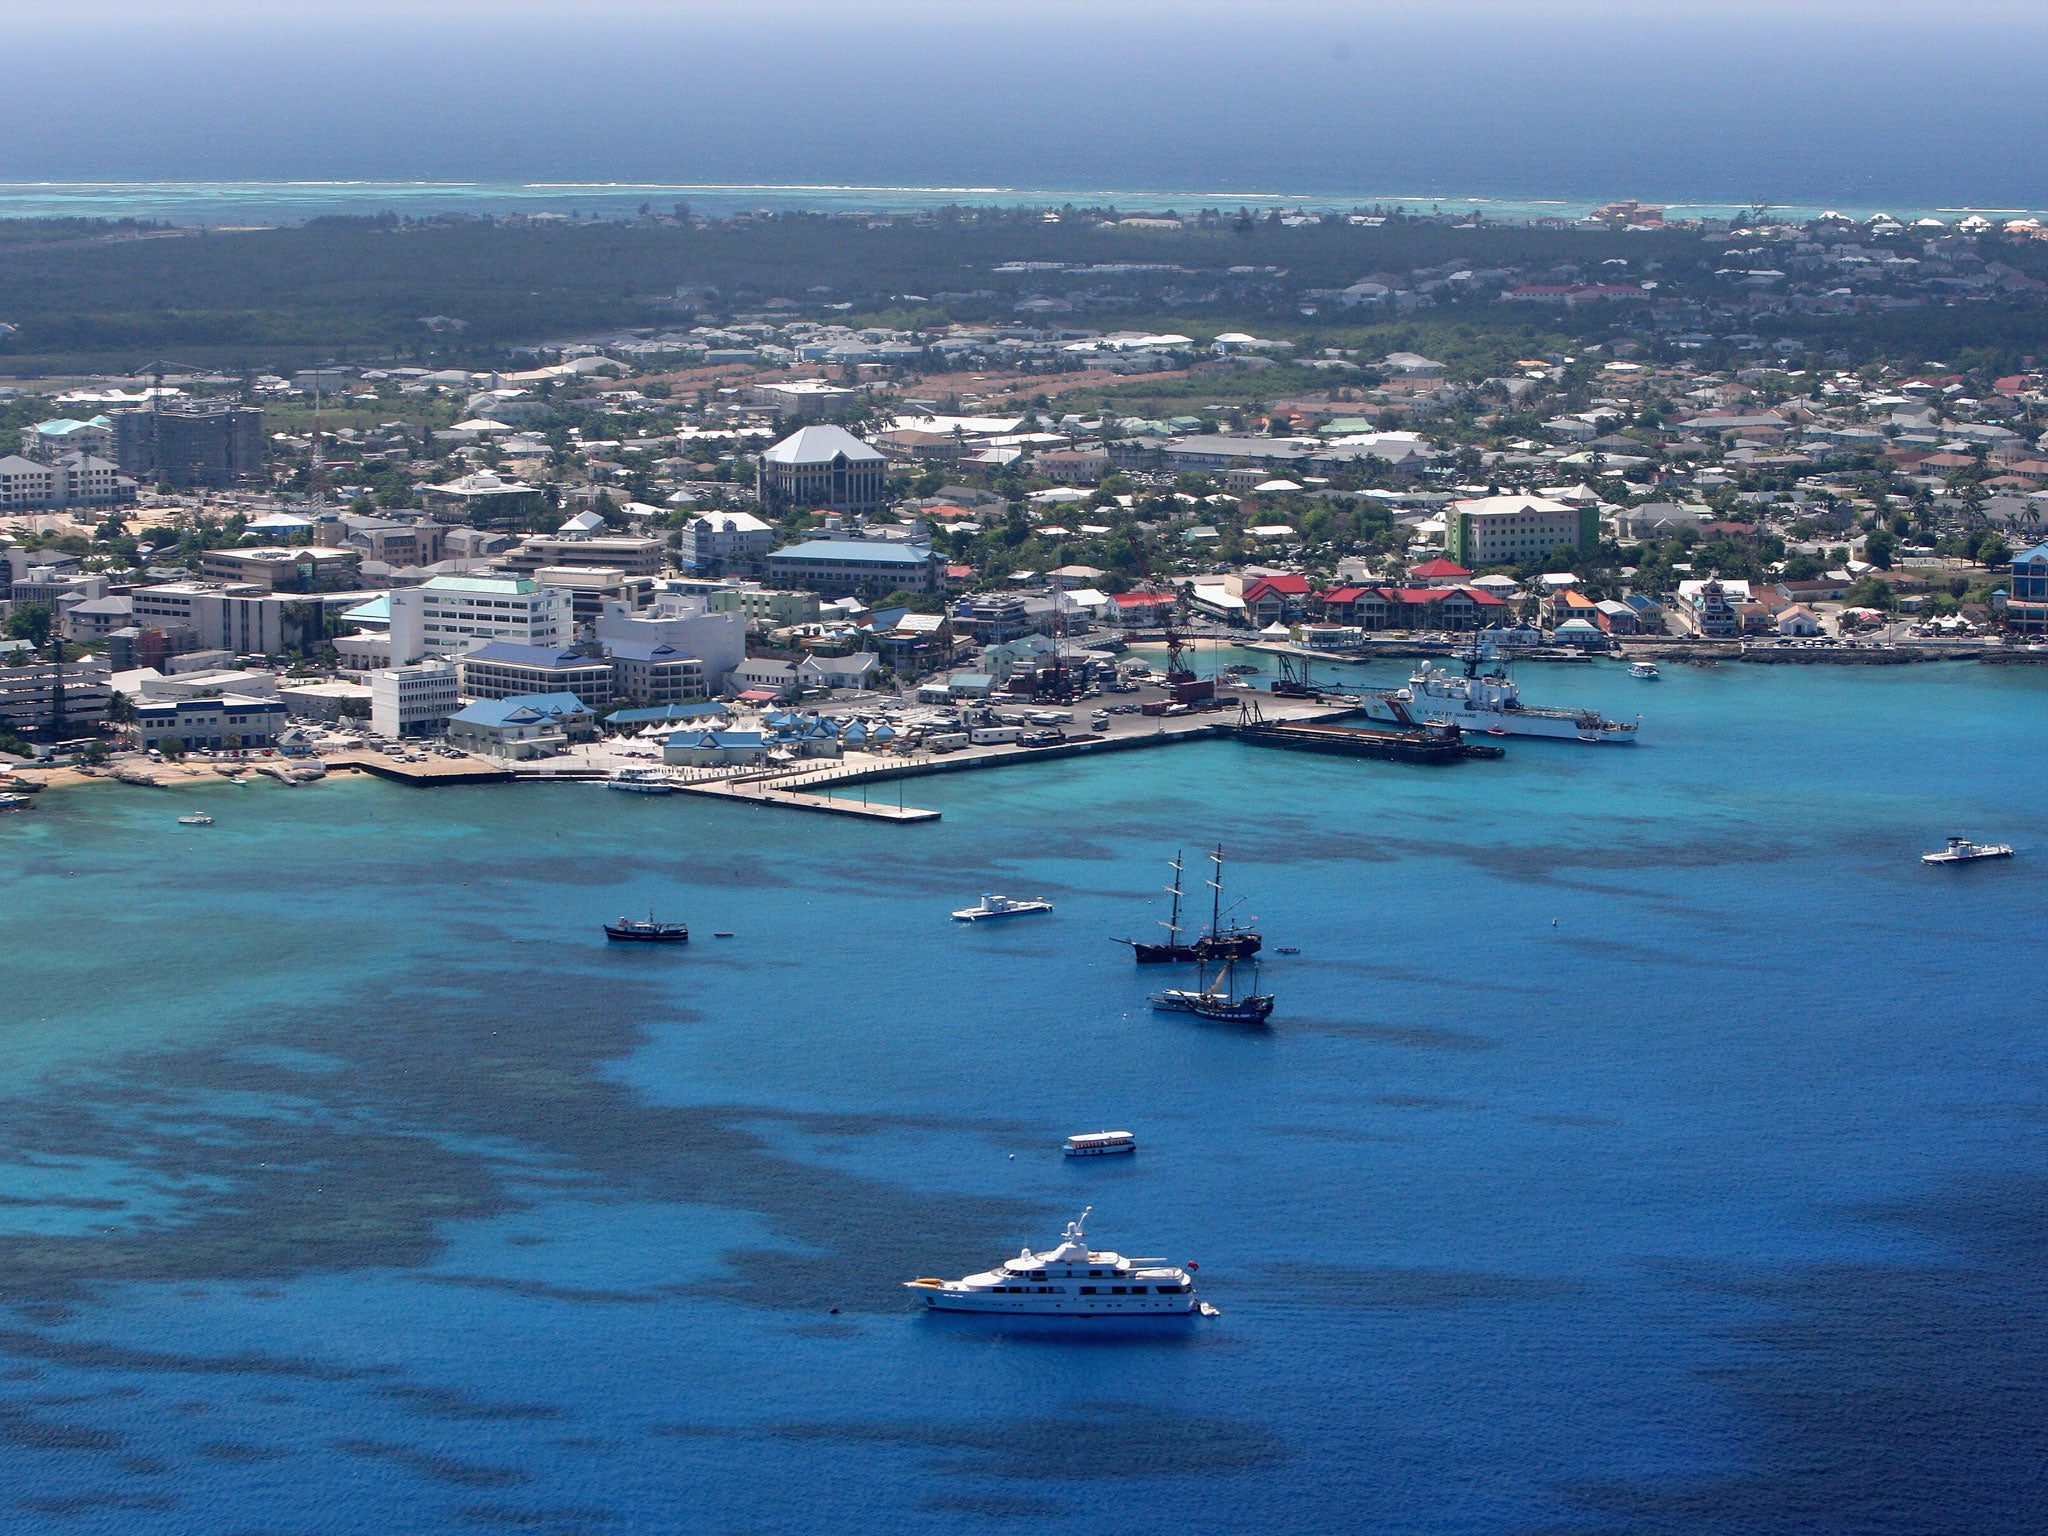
x: 1423, y: 746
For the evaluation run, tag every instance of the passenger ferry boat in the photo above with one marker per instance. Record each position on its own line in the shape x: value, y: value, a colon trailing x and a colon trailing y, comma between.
x: 1961, y: 850
x: 1000, y: 906
x: 1643, y: 669
x: 1100, y: 1144
x: 1071, y: 1280
x: 1486, y: 701
x: 639, y: 781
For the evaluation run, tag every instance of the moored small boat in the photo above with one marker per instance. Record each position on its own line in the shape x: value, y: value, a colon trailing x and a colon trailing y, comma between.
x: 199, y: 819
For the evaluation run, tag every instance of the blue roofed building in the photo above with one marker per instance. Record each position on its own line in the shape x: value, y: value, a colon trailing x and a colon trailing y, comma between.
x: 2026, y: 609
x: 839, y: 566
x: 504, y: 669
x: 656, y: 673
x: 524, y: 726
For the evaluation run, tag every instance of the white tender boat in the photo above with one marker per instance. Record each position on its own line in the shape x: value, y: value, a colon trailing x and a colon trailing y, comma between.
x: 1000, y: 906
x: 200, y: 820
x: 1486, y: 702
x: 639, y: 781
x: 1961, y: 850
x: 1100, y: 1143
x: 1071, y: 1280
x: 1643, y: 669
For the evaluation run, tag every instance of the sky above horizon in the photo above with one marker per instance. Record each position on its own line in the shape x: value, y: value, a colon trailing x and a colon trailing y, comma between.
x: 1717, y: 100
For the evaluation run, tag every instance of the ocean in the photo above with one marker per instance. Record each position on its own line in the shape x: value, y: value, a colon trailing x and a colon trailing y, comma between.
x: 243, y: 203
x: 1644, y: 1142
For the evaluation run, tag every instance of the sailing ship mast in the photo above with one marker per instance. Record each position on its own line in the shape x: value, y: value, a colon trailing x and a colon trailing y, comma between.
x: 1173, y: 927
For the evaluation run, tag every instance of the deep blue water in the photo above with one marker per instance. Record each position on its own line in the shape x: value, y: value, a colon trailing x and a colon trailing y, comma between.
x: 1644, y: 1142
x: 1818, y: 102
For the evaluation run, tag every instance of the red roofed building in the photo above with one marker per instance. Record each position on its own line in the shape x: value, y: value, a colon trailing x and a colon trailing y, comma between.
x: 1441, y: 607
x: 1276, y: 600
x: 1440, y: 573
x: 1139, y: 610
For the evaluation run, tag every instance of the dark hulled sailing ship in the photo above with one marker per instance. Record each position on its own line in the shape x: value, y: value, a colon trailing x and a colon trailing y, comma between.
x: 1221, y: 940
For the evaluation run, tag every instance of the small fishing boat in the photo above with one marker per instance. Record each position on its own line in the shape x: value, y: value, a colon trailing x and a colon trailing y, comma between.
x: 630, y: 930
x: 10, y: 802
x: 1288, y: 949
x: 201, y: 819
x: 1100, y: 1144
x: 1000, y: 906
x: 1961, y: 850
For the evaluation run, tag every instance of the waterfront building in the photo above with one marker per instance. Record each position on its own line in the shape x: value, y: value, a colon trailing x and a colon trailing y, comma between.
x: 1715, y: 606
x: 695, y: 748
x: 29, y: 687
x: 449, y: 614
x: 823, y: 468
x: 2026, y: 609
x: 413, y: 700
x: 228, y: 720
x: 656, y: 673
x: 685, y: 624
x: 503, y: 670
x: 838, y: 566
x: 522, y: 726
x: 1276, y: 600
x: 1140, y: 610
x: 1507, y: 530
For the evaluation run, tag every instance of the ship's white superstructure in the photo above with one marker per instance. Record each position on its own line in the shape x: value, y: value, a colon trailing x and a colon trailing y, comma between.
x: 1071, y: 1280
x: 1487, y: 702
x: 1001, y: 906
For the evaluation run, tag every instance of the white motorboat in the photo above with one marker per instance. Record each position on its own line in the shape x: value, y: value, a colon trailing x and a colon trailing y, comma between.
x: 1643, y: 669
x: 1486, y: 702
x: 200, y: 820
x: 1100, y: 1143
x: 1070, y: 1280
x: 1000, y: 906
x: 639, y: 781
x: 1961, y: 850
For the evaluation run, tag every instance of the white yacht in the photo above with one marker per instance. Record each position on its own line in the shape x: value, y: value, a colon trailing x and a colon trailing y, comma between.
x: 1000, y: 906
x: 1961, y: 850
x: 639, y: 781
x: 1071, y: 1280
x: 1487, y: 702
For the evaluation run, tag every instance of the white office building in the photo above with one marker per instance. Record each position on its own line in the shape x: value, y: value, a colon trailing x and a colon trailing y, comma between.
x: 448, y: 615
x: 413, y: 701
x: 686, y: 626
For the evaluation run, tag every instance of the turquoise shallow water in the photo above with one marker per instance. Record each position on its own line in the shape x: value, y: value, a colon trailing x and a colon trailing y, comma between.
x: 1645, y: 1142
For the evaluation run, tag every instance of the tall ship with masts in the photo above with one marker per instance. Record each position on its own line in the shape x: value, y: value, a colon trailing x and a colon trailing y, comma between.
x: 1221, y: 940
